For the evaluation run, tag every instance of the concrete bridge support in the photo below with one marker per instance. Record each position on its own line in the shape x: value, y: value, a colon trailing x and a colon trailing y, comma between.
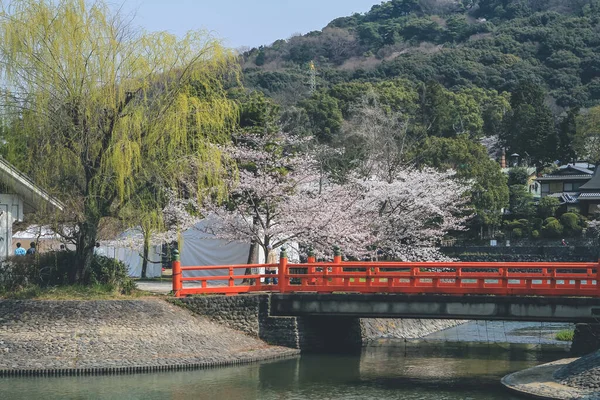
x: 586, y: 339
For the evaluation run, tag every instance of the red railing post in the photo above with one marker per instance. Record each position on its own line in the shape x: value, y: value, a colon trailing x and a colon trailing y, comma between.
x: 598, y: 279
x: 176, y: 268
x: 414, y: 272
x: 283, y: 280
x: 337, y: 259
x: 311, y: 259
x: 231, y: 280
x: 505, y: 280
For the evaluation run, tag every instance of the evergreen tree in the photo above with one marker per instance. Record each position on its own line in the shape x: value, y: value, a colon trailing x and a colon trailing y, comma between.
x: 567, y: 130
x: 529, y: 127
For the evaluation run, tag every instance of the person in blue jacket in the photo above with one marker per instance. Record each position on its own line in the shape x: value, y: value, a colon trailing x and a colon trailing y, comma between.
x: 19, y: 251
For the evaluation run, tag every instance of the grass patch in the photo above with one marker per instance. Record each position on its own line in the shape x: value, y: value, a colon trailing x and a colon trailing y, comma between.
x: 72, y: 292
x: 162, y: 279
x: 565, y: 335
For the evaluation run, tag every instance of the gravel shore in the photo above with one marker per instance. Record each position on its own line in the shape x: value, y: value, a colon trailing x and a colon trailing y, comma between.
x: 583, y: 373
x: 553, y: 381
x: 67, y: 337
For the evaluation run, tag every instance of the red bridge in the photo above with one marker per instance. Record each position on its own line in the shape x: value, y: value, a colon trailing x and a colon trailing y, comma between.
x: 452, y: 278
x: 532, y: 291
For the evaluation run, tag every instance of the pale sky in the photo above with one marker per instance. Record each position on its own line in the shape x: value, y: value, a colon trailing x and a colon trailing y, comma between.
x: 242, y: 22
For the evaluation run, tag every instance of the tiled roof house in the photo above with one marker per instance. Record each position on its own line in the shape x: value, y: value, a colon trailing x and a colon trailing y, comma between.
x: 569, y: 183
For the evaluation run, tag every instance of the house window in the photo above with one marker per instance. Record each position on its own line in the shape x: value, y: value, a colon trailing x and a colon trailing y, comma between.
x: 556, y: 187
x: 545, y: 188
x: 568, y: 187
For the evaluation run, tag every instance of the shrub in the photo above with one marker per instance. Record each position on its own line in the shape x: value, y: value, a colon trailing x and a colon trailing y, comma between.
x: 570, y: 220
x: 535, y: 234
x: 517, y: 233
x: 565, y: 335
x: 54, y: 269
x: 552, y: 228
x: 572, y: 223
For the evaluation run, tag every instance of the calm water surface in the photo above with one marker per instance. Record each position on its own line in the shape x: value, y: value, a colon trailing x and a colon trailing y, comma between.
x: 430, y: 369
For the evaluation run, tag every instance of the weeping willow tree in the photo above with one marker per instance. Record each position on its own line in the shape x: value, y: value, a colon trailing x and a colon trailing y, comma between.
x: 105, y: 116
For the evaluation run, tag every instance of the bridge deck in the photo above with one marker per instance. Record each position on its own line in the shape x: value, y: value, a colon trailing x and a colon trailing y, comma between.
x: 508, y: 308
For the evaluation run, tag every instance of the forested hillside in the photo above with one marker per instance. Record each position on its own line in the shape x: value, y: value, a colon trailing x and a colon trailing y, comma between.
x: 441, y: 83
x: 490, y: 44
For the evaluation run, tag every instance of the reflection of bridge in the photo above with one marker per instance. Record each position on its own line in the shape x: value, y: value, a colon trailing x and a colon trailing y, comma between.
x: 533, y: 291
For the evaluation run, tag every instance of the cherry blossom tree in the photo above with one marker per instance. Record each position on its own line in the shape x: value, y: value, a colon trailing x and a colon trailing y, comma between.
x: 412, y: 213
x: 280, y: 196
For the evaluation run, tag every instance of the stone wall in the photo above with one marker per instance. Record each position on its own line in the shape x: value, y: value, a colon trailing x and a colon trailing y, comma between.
x: 237, y: 312
x: 280, y: 331
x: 250, y: 314
x: 523, y: 253
x: 384, y: 328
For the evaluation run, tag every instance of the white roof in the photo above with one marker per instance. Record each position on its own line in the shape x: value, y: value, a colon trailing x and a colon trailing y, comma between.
x: 35, y: 232
x: 33, y: 196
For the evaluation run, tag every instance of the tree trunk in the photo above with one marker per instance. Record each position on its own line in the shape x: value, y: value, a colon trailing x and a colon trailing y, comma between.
x: 146, y: 253
x: 252, y: 253
x: 86, y: 239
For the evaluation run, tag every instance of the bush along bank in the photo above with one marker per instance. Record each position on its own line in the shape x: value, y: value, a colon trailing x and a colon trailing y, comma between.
x: 22, y: 277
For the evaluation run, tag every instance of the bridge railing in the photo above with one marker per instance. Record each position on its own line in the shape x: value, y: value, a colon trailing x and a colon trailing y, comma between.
x: 454, y: 278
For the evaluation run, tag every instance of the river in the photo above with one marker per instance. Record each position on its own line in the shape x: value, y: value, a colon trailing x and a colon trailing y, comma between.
x: 466, y: 362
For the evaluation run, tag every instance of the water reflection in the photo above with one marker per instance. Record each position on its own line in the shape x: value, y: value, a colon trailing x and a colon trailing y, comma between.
x: 534, y: 333
x: 391, y: 370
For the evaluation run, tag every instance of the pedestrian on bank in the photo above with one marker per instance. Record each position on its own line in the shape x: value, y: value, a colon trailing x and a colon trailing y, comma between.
x: 99, y: 251
x: 31, y: 249
x: 19, y: 251
x: 270, y: 270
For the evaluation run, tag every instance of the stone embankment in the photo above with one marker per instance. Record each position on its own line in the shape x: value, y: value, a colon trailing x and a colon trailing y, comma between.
x: 85, y: 337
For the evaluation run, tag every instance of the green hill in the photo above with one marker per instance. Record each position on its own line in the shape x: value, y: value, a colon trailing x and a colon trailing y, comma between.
x: 490, y: 44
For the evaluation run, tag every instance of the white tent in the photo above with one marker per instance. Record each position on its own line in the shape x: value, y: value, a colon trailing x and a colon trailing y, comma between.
x: 127, y: 250
x: 201, y: 248
x: 132, y: 259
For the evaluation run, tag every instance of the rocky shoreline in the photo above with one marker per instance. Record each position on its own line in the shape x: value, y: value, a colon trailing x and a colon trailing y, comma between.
x: 567, y: 379
x: 106, y: 337
x: 583, y: 373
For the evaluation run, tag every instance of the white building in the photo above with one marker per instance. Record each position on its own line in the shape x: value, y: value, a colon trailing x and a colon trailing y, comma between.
x: 19, y: 196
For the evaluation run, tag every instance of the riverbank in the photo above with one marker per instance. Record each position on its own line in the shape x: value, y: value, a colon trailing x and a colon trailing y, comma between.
x: 114, y: 336
x: 567, y: 379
